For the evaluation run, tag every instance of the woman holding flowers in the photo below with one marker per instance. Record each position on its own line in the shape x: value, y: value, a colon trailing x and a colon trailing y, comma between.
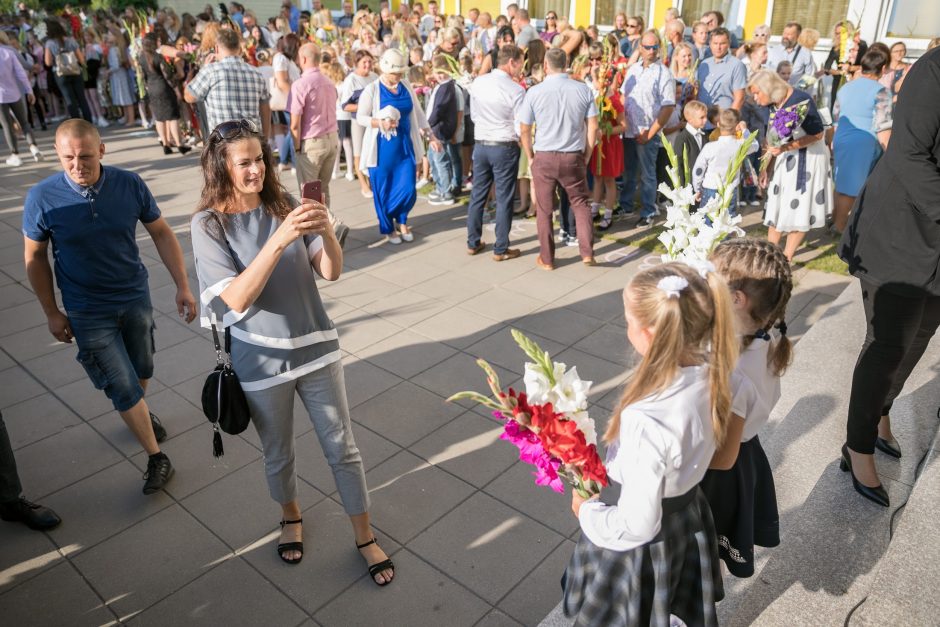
x: 655, y: 553
x: 797, y: 175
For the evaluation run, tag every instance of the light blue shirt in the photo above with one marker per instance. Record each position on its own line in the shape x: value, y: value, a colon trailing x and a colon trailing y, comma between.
x: 558, y: 106
x: 799, y: 57
x: 720, y: 79
x: 646, y: 90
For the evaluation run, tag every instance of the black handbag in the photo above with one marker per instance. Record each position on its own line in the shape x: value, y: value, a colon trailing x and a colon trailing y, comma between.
x: 353, y: 98
x: 223, y: 401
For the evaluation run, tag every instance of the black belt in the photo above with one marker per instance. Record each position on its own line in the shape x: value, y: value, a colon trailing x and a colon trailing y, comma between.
x: 484, y: 142
x: 675, y: 504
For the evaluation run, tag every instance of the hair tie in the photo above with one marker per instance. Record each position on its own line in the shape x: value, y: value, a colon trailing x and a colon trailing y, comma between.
x: 672, y: 285
x: 761, y: 334
x: 782, y: 327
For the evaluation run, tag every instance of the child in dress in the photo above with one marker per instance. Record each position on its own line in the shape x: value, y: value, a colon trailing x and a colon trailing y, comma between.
x: 93, y: 57
x: 654, y: 553
x: 607, y: 159
x: 739, y: 485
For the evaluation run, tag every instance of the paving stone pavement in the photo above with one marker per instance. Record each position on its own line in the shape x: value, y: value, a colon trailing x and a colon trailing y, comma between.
x: 475, y: 542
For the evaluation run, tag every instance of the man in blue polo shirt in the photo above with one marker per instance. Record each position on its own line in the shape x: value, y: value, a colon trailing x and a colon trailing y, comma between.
x: 722, y: 78
x: 90, y: 214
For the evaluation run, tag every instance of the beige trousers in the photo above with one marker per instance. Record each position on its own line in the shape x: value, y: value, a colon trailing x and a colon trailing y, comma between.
x: 315, y: 161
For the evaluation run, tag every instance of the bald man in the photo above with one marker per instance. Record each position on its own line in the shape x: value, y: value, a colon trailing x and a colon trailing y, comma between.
x: 90, y: 214
x: 313, y: 127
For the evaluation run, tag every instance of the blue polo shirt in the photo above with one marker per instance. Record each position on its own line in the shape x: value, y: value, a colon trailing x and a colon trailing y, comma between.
x: 93, y: 232
x: 720, y: 79
x: 559, y: 107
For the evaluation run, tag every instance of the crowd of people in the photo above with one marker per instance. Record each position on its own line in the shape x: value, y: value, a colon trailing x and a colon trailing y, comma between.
x: 302, y: 75
x: 564, y: 118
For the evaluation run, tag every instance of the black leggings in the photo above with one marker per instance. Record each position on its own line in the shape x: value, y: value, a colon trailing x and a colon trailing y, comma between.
x: 899, y: 329
x: 17, y: 109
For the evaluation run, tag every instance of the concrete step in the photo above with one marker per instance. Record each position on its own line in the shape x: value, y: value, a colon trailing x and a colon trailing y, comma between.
x: 832, y: 540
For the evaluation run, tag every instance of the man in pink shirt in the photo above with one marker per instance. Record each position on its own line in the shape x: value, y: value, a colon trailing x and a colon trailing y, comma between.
x: 313, y: 121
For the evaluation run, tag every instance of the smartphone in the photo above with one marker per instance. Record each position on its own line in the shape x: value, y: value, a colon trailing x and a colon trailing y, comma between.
x: 312, y: 190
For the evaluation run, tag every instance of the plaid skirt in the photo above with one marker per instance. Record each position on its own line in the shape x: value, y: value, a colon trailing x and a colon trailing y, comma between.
x: 676, y: 573
x: 743, y: 501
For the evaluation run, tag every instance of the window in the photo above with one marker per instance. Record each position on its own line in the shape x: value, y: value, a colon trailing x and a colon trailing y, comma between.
x: 823, y: 15
x: 914, y: 19
x: 539, y: 8
x: 692, y: 11
x: 605, y: 10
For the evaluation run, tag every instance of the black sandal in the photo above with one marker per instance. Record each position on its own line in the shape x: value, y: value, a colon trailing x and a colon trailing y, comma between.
x: 375, y: 569
x: 291, y: 546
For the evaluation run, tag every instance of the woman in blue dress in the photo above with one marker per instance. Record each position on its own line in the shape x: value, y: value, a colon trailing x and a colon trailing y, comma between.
x: 392, y: 145
x: 863, y: 112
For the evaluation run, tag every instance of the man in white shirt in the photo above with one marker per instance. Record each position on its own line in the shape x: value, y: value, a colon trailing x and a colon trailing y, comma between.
x: 789, y: 50
x: 495, y: 99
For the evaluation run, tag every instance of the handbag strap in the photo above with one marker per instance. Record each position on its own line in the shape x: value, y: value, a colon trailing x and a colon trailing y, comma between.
x: 224, y: 358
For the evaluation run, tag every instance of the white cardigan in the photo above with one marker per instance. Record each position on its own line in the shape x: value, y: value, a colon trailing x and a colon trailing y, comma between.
x: 369, y: 106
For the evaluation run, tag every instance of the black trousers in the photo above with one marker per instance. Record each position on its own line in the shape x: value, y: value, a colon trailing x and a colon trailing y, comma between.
x: 899, y: 327
x: 10, y: 488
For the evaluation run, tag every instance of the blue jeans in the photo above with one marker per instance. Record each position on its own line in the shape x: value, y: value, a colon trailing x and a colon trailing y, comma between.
x: 116, y: 349
x: 640, y: 158
x: 441, y: 170
x: 708, y: 194
x: 286, y: 149
x: 499, y: 165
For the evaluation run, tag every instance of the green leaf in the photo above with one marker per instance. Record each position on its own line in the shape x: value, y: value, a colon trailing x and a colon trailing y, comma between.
x: 536, y: 354
x: 476, y: 397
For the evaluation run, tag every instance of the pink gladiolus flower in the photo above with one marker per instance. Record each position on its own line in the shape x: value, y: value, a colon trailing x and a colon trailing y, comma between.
x: 531, y: 452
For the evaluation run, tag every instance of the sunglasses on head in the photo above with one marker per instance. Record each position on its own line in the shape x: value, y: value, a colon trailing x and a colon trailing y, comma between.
x: 235, y: 128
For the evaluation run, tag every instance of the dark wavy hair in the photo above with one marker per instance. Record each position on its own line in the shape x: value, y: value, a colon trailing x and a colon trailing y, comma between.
x: 288, y: 45
x: 218, y: 189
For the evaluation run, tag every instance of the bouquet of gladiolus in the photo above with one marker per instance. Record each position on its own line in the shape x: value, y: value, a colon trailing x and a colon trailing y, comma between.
x: 783, y: 124
x: 549, y: 422
x: 691, y: 237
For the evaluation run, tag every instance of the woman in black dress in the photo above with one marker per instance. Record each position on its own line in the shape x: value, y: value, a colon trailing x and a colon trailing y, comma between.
x: 164, y: 104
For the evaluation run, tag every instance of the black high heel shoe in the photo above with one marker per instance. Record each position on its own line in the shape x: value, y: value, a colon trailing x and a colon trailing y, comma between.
x: 888, y: 447
x: 878, y: 494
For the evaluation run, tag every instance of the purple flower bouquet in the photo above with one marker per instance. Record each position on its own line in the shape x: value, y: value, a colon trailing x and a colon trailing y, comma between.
x: 782, y: 126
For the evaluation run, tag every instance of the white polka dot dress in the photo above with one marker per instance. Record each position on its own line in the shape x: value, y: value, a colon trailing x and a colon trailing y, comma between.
x: 795, y: 207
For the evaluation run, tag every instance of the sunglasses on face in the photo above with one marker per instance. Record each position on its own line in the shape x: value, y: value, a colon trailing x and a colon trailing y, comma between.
x: 633, y: 25
x: 235, y: 128
x: 653, y: 47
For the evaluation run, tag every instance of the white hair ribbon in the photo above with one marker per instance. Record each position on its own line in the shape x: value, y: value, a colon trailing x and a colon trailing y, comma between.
x: 672, y: 285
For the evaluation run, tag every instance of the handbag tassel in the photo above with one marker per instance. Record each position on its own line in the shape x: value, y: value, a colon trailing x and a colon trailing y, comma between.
x: 217, y: 449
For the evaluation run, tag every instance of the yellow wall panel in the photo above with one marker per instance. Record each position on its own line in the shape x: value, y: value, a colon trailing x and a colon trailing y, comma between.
x: 582, y: 12
x: 755, y: 14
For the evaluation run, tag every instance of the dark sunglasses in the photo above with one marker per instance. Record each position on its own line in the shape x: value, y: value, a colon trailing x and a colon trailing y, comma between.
x: 653, y: 47
x: 633, y: 25
x: 236, y: 128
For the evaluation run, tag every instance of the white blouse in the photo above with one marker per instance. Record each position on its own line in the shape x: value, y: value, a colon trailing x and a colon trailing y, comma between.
x: 665, y: 444
x: 755, y: 388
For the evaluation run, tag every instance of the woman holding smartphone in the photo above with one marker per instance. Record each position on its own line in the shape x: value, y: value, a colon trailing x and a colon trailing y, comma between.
x: 258, y: 254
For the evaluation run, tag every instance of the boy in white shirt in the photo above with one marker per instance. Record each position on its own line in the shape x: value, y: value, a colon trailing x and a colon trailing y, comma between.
x: 711, y: 166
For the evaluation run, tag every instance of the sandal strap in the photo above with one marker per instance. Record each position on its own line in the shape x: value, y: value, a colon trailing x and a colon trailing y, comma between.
x: 375, y: 569
x: 291, y: 522
x: 290, y: 546
x: 365, y: 544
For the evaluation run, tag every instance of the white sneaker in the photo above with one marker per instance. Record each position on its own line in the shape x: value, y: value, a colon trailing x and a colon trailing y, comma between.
x: 350, y: 176
x: 408, y: 237
x: 421, y: 183
x: 37, y: 154
x: 366, y: 193
x: 393, y: 239
x: 14, y: 160
x: 102, y: 123
x: 755, y: 203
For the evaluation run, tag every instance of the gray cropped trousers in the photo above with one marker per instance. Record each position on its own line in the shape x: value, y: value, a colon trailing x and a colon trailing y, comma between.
x: 323, y: 393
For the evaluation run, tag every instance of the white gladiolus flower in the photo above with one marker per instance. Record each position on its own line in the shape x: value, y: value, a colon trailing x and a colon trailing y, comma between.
x: 538, y: 388
x: 570, y: 392
x: 586, y: 425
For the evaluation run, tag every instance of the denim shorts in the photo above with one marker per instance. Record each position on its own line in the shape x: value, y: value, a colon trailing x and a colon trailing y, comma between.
x: 116, y: 349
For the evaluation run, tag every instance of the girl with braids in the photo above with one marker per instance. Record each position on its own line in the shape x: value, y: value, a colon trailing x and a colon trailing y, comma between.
x: 739, y: 485
x: 654, y: 552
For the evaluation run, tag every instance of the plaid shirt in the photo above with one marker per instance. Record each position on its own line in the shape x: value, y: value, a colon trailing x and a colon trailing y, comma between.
x: 231, y: 89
